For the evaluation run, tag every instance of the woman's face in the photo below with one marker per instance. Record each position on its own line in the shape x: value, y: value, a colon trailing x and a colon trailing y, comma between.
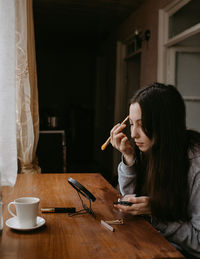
x: 137, y: 133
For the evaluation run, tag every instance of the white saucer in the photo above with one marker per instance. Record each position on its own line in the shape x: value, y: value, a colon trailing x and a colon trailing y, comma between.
x: 12, y: 223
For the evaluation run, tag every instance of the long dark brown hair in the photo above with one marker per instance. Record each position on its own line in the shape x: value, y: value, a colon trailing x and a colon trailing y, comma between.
x: 163, y: 170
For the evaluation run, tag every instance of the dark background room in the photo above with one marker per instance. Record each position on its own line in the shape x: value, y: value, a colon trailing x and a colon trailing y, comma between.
x: 91, y: 58
x: 75, y: 52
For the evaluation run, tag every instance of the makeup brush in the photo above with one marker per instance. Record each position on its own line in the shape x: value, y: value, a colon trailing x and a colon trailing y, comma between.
x: 108, y: 140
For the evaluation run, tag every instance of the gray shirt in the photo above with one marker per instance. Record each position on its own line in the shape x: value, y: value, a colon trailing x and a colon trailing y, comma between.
x: 187, y: 234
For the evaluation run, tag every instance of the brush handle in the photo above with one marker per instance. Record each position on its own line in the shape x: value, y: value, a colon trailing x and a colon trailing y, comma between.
x: 106, y: 143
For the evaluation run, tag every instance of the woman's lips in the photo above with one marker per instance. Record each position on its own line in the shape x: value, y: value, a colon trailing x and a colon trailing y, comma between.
x: 139, y: 144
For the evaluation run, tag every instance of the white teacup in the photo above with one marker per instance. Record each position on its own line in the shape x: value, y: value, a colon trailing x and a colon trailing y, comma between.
x: 26, y: 209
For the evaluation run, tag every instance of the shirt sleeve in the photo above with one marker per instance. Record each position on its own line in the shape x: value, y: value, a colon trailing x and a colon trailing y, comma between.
x: 187, y: 234
x: 126, y: 178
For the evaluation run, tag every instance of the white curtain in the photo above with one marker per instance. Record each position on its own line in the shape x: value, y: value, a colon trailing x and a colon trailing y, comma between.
x: 8, y: 148
x: 19, y: 117
x: 26, y: 87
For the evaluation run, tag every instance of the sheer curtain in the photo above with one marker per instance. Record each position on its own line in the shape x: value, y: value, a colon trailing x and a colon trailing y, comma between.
x: 8, y: 148
x: 27, y: 117
x: 19, y: 119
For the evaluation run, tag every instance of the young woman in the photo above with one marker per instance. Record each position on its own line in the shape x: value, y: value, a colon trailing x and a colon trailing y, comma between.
x: 160, y: 168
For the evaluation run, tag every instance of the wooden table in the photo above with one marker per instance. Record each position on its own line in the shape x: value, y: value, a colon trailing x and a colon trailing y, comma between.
x: 81, y: 236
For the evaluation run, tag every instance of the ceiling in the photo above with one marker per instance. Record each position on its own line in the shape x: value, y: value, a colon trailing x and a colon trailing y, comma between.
x: 88, y: 17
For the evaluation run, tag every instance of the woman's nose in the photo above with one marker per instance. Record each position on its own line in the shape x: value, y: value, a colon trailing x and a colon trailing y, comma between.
x: 134, y: 132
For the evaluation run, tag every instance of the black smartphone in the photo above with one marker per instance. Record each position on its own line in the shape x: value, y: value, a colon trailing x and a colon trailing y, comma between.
x: 125, y: 203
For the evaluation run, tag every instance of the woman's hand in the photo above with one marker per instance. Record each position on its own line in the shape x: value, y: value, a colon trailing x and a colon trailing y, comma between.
x: 120, y: 141
x: 141, y: 205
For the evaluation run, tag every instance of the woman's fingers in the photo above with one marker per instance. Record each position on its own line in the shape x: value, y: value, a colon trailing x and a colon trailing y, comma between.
x: 135, y: 209
x: 141, y: 205
x: 114, y: 128
x: 120, y: 141
x: 117, y: 128
x: 138, y: 200
x: 117, y: 136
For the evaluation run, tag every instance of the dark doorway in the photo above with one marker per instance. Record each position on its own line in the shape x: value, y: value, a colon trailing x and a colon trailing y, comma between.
x: 75, y: 52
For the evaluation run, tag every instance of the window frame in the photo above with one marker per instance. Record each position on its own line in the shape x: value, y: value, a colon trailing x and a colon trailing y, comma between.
x: 164, y: 43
